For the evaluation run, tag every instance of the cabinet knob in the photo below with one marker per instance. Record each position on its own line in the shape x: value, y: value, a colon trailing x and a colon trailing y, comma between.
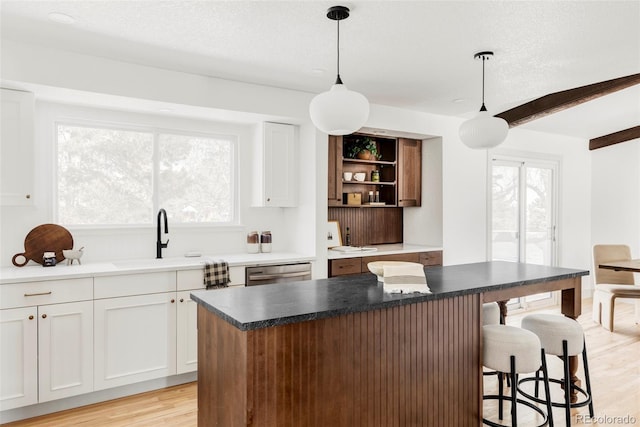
x: 44, y: 316
x: 268, y: 199
x: 28, y: 196
x: 31, y: 317
x: 181, y: 299
x: 172, y: 300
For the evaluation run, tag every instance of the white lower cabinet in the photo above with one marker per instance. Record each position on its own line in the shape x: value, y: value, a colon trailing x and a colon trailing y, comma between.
x: 187, y: 334
x: 18, y: 357
x: 135, y: 339
x: 46, y: 353
x: 65, y: 350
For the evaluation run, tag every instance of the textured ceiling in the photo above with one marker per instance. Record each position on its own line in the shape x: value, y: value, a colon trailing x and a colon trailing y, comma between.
x: 416, y: 55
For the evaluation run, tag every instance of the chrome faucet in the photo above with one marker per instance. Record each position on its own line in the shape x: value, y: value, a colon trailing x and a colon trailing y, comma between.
x: 159, y: 244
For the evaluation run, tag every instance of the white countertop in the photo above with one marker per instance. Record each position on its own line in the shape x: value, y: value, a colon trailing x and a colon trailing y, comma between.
x: 397, y: 248
x: 35, y: 272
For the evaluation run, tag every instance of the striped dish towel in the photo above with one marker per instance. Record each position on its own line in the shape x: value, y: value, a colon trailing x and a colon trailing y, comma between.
x: 405, y: 279
x: 216, y: 274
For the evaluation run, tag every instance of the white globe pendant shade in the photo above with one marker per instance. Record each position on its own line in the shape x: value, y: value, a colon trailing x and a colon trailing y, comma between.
x: 483, y: 131
x: 339, y: 111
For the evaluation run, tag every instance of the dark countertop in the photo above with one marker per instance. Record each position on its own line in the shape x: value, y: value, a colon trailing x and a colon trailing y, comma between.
x: 257, y: 307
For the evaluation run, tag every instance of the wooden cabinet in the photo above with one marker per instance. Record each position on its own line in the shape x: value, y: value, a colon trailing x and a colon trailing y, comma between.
x: 409, y: 172
x: 16, y: 148
x: 392, y: 180
x: 358, y: 265
x: 46, y: 341
x: 275, y: 183
x: 334, y: 191
x: 343, y: 267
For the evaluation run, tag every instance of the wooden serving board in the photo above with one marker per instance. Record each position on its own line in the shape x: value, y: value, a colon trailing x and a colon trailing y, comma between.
x: 44, y: 238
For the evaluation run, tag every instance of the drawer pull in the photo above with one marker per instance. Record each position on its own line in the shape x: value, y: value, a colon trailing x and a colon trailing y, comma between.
x: 31, y: 317
x: 172, y: 300
x: 181, y: 299
x: 37, y: 294
x: 44, y: 316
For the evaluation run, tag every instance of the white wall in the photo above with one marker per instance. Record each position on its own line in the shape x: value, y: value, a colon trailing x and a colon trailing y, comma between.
x: 615, y: 206
x: 464, y: 172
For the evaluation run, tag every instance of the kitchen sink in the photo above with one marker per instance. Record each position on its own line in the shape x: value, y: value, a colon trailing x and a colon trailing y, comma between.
x: 156, y: 263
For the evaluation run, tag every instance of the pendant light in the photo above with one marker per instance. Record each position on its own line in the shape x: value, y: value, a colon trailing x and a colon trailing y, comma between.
x: 484, y: 130
x: 339, y: 111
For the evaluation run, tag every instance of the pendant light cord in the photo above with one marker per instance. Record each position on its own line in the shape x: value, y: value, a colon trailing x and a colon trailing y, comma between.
x: 483, y: 108
x: 338, y: 79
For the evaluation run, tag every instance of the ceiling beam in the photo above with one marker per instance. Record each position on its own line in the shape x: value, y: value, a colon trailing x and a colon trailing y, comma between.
x: 562, y: 100
x: 614, y: 138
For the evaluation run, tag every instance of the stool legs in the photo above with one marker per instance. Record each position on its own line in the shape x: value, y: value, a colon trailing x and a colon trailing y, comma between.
x: 514, y: 392
x: 547, y: 390
x: 587, y: 379
x: 566, y: 383
x: 513, y: 398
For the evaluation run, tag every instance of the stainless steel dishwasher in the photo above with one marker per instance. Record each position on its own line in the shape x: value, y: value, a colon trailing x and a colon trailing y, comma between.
x: 267, y: 274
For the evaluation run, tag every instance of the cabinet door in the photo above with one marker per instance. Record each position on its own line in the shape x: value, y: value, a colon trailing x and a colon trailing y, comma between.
x: 187, y: 334
x: 18, y: 357
x: 409, y: 172
x: 16, y: 147
x: 135, y: 339
x: 65, y: 342
x: 334, y: 191
x: 279, y: 165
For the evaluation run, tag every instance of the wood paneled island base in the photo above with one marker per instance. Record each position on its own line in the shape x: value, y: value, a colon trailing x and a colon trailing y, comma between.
x: 408, y: 365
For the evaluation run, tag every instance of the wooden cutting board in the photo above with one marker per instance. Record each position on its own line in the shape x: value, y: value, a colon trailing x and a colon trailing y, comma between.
x: 44, y: 238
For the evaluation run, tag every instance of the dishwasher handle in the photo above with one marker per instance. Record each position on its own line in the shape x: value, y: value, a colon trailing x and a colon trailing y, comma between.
x: 277, y: 276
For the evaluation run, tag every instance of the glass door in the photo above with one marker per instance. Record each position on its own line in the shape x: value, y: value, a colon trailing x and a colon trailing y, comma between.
x: 523, y: 214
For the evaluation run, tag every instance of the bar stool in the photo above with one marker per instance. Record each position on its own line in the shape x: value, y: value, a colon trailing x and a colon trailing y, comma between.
x: 563, y: 337
x: 491, y: 314
x: 516, y: 351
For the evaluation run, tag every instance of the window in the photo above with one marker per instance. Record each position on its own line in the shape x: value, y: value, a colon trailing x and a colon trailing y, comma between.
x: 119, y: 176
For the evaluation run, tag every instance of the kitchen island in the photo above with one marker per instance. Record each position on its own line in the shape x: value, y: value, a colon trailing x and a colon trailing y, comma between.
x: 341, y: 352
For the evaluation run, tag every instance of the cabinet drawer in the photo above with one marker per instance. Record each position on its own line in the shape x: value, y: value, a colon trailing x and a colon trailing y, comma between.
x: 190, y: 279
x: 47, y: 292
x: 339, y: 267
x: 134, y: 284
x: 431, y: 258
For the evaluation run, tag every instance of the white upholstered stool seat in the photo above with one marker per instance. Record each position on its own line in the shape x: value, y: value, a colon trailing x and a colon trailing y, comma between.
x: 491, y: 313
x: 514, y: 351
x: 552, y: 329
x: 564, y: 337
x: 502, y: 341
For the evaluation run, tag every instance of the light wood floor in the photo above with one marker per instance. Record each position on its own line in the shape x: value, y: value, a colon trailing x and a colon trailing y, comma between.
x: 614, y: 361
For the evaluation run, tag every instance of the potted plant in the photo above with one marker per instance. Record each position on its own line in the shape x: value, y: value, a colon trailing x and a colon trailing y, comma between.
x: 363, y: 148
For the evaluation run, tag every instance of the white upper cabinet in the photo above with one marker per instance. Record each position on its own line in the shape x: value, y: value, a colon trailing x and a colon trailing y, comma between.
x: 16, y: 148
x: 275, y: 173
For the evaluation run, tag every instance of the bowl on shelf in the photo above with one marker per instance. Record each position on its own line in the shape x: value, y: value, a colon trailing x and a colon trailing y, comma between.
x: 377, y: 267
x: 359, y: 176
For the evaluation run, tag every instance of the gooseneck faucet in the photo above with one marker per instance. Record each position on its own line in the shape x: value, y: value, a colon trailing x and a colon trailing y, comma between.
x: 159, y: 244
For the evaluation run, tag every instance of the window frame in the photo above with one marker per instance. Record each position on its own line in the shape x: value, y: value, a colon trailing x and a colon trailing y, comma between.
x: 155, y: 131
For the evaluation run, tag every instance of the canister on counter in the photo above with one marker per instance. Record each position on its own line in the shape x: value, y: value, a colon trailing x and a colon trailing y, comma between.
x: 265, y: 241
x: 49, y: 259
x: 253, y: 242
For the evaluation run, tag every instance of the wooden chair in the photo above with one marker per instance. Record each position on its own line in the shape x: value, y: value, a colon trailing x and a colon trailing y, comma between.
x: 611, y: 284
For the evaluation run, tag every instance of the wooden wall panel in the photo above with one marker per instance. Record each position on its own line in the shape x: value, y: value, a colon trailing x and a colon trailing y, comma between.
x: 369, y: 226
x: 414, y: 365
